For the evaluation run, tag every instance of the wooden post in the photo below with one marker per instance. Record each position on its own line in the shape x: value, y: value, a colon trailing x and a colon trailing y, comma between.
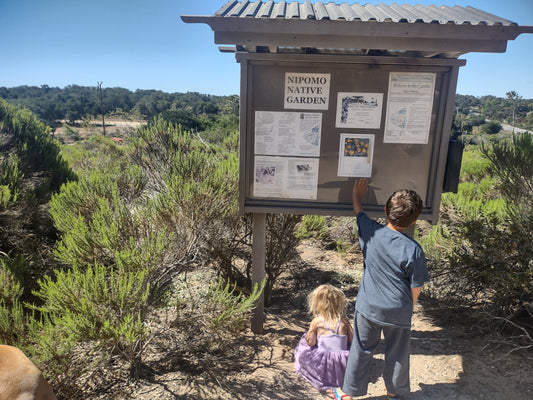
x: 258, y: 268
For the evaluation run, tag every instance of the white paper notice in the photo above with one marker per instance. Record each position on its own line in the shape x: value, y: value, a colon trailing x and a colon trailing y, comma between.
x: 286, y: 177
x: 288, y: 133
x: 409, y: 106
x: 355, y: 155
x: 307, y: 91
x: 359, y: 110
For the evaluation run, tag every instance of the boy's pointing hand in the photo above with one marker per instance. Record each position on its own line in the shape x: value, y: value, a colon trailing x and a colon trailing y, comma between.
x: 360, y: 187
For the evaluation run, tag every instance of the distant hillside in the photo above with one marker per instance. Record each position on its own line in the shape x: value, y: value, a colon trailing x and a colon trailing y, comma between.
x: 197, y: 111
x: 75, y: 102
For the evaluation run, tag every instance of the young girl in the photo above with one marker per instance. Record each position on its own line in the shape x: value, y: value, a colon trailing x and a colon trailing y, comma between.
x: 321, y: 354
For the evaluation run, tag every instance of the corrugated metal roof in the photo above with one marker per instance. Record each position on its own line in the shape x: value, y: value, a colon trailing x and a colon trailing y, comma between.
x: 292, y: 26
x: 362, y: 12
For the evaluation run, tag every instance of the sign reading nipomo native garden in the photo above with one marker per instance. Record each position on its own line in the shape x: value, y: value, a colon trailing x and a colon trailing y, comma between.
x: 307, y: 91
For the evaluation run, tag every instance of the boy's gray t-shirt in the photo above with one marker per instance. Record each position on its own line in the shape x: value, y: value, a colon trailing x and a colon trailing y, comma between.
x: 394, y: 263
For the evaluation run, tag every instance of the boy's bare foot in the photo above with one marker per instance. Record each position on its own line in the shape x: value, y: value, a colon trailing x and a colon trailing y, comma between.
x: 392, y: 396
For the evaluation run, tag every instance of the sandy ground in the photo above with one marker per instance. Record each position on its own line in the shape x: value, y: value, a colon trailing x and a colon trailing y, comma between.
x: 114, y: 128
x: 447, y: 362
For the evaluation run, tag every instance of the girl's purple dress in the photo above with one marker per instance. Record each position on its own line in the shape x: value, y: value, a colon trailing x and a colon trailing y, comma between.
x: 323, y: 365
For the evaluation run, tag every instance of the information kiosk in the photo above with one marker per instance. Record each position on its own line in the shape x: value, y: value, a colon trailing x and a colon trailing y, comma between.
x: 332, y: 92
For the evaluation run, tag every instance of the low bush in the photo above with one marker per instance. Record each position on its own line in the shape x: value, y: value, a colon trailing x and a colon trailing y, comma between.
x: 211, y: 314
x: 100, y: 308
x: 12, y: 318
x: 10, y: 180
x: 33, y: 145
x: 311, y: 225
x: 480, y: 252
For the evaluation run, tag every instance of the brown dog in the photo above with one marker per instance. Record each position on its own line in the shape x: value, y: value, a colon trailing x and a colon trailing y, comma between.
x: 20, y: 379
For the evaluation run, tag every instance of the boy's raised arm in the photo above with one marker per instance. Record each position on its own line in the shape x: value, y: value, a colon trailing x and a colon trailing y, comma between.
x: 360, y: 187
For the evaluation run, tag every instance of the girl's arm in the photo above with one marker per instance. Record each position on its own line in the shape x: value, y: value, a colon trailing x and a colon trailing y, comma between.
x: 310, y: 337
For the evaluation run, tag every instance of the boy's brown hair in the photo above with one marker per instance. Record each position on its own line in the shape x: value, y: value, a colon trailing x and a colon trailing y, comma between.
x: 403, y: 208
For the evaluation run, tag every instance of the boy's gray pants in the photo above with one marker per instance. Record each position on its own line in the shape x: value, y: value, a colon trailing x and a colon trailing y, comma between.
x: 367, y: 335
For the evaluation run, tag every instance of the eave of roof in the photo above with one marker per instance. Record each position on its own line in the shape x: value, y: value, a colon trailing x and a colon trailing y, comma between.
x: 448, y: 31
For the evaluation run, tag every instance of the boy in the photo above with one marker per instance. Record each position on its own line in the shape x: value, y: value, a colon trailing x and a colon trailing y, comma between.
x: 394, y: 272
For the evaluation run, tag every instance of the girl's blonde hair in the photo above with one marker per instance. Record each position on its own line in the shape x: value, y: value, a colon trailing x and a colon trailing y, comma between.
x: 327, y: 301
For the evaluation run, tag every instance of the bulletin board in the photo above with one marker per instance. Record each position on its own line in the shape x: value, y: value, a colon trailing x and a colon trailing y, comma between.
x: 312, y: 124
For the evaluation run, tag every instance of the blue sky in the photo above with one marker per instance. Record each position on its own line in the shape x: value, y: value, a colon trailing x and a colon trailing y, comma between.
x: 143, y: 44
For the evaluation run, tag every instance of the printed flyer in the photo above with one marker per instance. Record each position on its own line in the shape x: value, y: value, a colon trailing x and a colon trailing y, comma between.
x: 409, y: 107
x: 285, y: 177
x: 288, y: 133
x: 359, y: 110
x: 355, y: 155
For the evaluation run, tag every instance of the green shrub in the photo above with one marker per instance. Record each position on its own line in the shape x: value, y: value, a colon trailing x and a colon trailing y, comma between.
x: 342, y: 247
x: 476, y: 119
x: 34, y: 145
x: 480, y: 252
x: 210, y: 313
x: 186, y: 120
x: 100, y: 307
x: 196, y: 186
x: 53, y: 348
x: 12, y: 318
x: 71, y: 133
x: 491, y: 127
x: 10, y: 179
x: 10, y: 288
x: 113, y: 233
x: 228, y: 311
x: 475, y: 199
x: 96, y: 153
x: 512, y: 164
x: 474, y: 166
x: 5, y: 197
x: 13, y: 323
x: 220, y: 129
x: 281, y: 242
x: 311, y: 225
x: 164, y: 205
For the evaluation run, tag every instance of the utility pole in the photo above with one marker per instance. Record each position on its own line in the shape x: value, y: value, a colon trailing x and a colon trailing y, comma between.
x: 102, y: 105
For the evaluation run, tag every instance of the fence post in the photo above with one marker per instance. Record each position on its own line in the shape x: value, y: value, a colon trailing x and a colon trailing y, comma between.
x: 258, y: 268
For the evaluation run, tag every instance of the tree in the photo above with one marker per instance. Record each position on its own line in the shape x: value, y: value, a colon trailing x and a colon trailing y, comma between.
x: 491, y: 127
x: 490, y: 106
x: 461, y: 125
x: 185, y: 119
x: 476, y: 119
x: 465, y: 104
x: 513, y: 97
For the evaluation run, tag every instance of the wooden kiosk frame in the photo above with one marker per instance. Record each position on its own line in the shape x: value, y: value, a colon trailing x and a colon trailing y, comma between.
x: 355, y: 52
x: 417, y: 166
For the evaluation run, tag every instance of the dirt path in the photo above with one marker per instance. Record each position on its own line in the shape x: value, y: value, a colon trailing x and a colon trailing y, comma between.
x: 447, y: 362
